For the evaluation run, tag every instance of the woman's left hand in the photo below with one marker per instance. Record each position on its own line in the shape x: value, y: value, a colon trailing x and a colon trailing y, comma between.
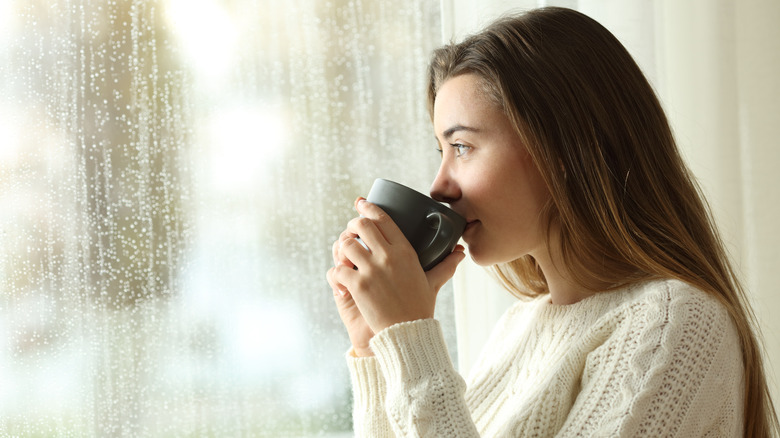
x: 389, y: 285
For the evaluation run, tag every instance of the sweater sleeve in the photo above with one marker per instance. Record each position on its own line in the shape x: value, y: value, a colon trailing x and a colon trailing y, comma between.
x: 425, y: 395
x: 674, y: 369
x: 368, y: 389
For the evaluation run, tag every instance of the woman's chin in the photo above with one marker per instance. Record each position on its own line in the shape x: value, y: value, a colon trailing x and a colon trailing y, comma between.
x: 482, y: 256
x: 479, y: 257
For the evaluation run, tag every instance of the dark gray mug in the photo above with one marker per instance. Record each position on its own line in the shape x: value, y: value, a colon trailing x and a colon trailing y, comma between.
x: 432, y: 228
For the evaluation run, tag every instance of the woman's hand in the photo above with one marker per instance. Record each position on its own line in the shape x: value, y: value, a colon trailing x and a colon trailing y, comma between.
x: 358, y: 330
x: 389, y: 285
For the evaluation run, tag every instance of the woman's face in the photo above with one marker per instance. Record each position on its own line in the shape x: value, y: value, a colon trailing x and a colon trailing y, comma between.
x: 487, y: 175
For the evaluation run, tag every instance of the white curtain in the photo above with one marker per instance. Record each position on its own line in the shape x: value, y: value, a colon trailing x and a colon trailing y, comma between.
x: 715, y: 66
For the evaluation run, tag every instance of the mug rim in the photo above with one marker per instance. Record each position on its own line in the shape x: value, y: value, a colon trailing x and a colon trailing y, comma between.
x: 442, y: 205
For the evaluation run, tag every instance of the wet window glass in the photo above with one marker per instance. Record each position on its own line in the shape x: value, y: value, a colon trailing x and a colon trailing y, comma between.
x: 172, y: 176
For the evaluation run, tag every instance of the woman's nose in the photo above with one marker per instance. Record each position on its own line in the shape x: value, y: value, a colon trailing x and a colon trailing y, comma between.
x: 444, y: 187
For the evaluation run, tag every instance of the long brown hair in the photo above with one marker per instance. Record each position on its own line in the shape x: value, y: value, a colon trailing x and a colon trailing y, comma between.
x: 623, y: 201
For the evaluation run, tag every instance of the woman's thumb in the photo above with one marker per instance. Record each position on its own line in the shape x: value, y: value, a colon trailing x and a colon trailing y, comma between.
x: 442, y: 272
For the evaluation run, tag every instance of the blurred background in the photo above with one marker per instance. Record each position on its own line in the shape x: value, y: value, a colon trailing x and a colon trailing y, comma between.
x: 172, y: 176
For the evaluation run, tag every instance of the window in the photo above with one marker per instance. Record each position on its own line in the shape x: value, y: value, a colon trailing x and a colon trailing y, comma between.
x: 172, y: 175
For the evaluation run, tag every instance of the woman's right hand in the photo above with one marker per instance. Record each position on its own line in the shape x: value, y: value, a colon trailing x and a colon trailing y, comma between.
x: 358, y: 330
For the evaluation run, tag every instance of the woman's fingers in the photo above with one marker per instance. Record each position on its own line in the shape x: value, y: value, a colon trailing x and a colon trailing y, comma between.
x: 366, y: 229
x: 374, y: 229
x: 338, y: 288
x: 335, y: 252
x: 353, y: 253
x: 364, y: 236
x: 442, y: 272
x: 338, y: 257
x: 381, y: 220
x: 341, y: 277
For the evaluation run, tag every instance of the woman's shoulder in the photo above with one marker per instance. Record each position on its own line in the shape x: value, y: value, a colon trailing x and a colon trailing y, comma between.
x: 662, y: 295
x: 672, y: 295
x: 664, y: 303
x: 679, y: 309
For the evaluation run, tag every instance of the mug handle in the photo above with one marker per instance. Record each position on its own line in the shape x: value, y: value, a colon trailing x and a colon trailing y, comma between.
x: 439, y: 243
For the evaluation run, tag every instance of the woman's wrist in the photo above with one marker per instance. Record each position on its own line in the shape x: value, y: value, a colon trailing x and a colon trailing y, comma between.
x: 362, y: 352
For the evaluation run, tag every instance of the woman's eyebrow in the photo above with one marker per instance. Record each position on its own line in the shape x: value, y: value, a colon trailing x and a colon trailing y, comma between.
x: 452, y: 130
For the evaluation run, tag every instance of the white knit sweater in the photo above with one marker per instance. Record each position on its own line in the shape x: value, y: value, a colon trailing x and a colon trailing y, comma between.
x: 655, y: 359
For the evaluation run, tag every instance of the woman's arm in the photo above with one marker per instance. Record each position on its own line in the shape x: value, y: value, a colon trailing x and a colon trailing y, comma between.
x: 369, y: 392
x: 424, y: 392
x: 378, y: 284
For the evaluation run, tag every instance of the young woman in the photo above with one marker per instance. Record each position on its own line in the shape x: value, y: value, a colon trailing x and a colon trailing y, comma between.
x: 558, y: 153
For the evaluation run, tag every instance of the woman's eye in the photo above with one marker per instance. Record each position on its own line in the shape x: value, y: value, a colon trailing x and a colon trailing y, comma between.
x: 460, y: 149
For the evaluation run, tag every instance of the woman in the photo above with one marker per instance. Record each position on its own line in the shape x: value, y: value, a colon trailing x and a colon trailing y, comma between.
x: 556, y: 150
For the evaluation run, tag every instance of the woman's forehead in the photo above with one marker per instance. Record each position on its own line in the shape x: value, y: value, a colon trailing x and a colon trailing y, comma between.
x: 462, y: 102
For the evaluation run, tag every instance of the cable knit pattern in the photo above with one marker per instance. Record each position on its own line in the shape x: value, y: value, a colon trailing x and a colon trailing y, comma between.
x: 655, y: 359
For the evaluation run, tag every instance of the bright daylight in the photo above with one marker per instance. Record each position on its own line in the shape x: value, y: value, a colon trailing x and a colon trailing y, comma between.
x: 186, y: 251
